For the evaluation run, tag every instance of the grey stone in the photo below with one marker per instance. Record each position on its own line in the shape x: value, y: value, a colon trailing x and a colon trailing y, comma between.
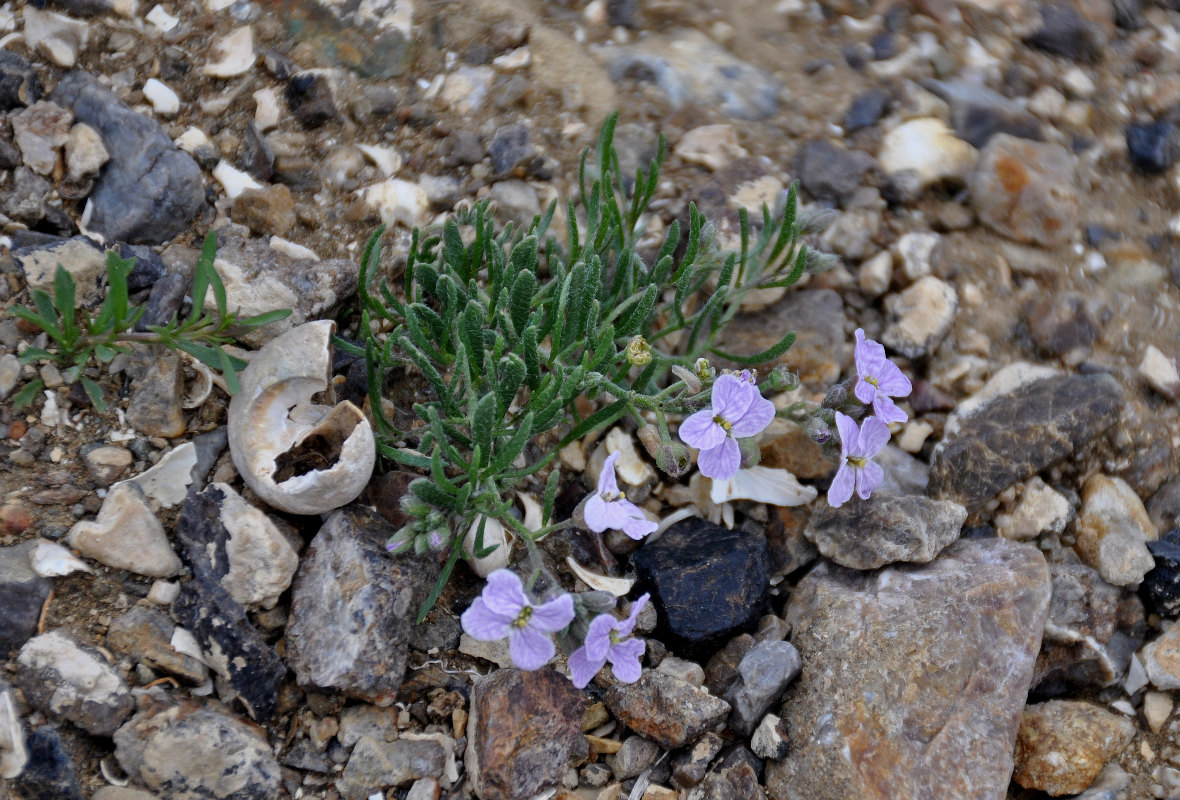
x: 769, y: 739
x: 126, y: 535
x: 934, y: 711
x: 155, y: 407
x: 22, y: 593
x: 634, y: 756
x: 919, y: 317
x: 1065, y: 32
x: 73, y: 682
x: 353, y: 606
x: 311, y: 96
x: 19, y: 83
x: 763, y: 675
x: 26, y: 200
x: 376, y: 765
x: 145, y: 634
x: 510, y: 145
x: 1025, y: 190
x: 50, y: 773
x: 79, y: 256
x: 904, y: 474
x: 666, y: 710
x: 979, y: 113
x: 150, y: 190
x: 690, y: 764
x: 885, y: 529
x: 829, y: 171
x: 368, y: 721
x: 40, y: 131
x: 1019, y: 433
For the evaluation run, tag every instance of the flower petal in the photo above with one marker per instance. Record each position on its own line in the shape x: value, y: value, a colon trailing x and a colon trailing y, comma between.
x: 841, y: 489
x: 597, y: 640
x: 886, y: 410
x: 606, y: 479
x: 554, y: 615
x: 596, y: 513
x: 530, y: 649
x: 868, y: 479
x: 636, y: 527
x: 849, y: 434
x: 731, y: 397
x: 754, y: 421
x: 720, y: 462
x: 864, y: 391
x: 481, y: 623
x: 504, y: 593
x: 700, y: 431
x: 892, y: 381
x: 583, y: 668
x: 624, y: 659
x: 874, y: 435
x: 626, y: 626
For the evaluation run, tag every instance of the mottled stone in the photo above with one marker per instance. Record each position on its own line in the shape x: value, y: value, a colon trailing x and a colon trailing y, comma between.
x: 19, y: 82
x: 690, y: 764
x: 40, y: 131
x: 730, y: 779
x: 260, y: 562
x: 157, y: 747
x: 22, y: 593
x: 126, y: 535
x: 73, y: 682
x: 376, y: 765
x: 1112, y: 531
x: 763, y: 676
x: 829, y: 171
x: 353, y: 606
x: 1025, y: 190
x: 145, y: 634
x: 522, y: 729
x: 78, y: 255
x: 1161, y: 660
x: 934, y: 711
x: 1062, y: 745
x: 919, y: 317
x: 106, y: 463
x: 155, y: 406
x: 979, y: 113
x: 1019, y: 433
x: 634, y: 756
x: 1041, y: 508
x: 50, y: 773
x: 666, y: 710
x: 708, y: 583
x: 797, y: 454
x: 885, y: 529
x: 1062, y: 323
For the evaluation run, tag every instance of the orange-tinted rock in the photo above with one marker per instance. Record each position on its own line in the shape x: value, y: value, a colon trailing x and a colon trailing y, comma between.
x: 1062, y: 745
x: 1025, y: 190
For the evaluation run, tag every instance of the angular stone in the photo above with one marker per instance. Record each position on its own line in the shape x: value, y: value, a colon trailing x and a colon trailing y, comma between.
x: 1090, y: 634
x: 366, y: 720
x: 19, y: 83
x: 1062, y: 323
x: 260, y: 560
x: 126, y: 535
x: 1112, y: 531
x: 885, y: 529
x: 1019, y: 433
x: 50, y: 773
x: 670, y: 712
x: 979, y: 113
x: 1162, y: 583
x: 1161, y: 660
x: 919, y: 317
x: 706, y: 582
x: 157, y: 748
x: 690, y: 764
x: 828, y: 171
x: 521, y: 732
x: 1062, y: 745
x: 1025, y: 190
x: 934, y: 711
x: 1041, y: 508
x: 155, y: 406
x: 22, y: 593
x: 150, y: 190
x: 40, y: 131
x: 79, y: 256
x: 763, y: 676
x: 145, y: 634
x: 74, y: 682
x: 376, y: 765
x: 634, y: 756
x: 85, y: 155
x: 106, y: 463
x: 353, y: 606
x: 730, y: 779
x: 928, y: 150
x: 769, y: 739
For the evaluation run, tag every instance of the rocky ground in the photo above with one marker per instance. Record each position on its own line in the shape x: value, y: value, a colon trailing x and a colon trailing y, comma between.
x: 997, y: 622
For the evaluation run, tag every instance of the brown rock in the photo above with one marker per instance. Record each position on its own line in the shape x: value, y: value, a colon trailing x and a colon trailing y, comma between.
x: 266, y: 211
x: 1113, y: 530
x: 798, y: 455
x: 1025, y: 190
x: 155, y: 408
x: 145, y: 634
x: 1062, y: 745
x: 669, y: 711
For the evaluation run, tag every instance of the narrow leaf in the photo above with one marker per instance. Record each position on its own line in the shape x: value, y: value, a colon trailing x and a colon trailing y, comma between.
x: 767, y: 355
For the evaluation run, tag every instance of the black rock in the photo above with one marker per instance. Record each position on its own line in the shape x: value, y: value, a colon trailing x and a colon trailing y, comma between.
x: 22, y: 593
x: 148, y: 269
x: 1065, y: 32
x: 150, y: 190
x: 50, y: 773
x: 1128, y: 14
x: 312, y: 98
x: 234, y: 648
x: 828, y: 171
x: 978, y: 113
x: 707, y: 583
x: 19, y: 84
x: 510, y: 145
x: 10, y: 157
x: 257, y: 154
x: 866, y: 109
x: 1161, y: 586
x: 1153, y: 146
x: 1021, y: 433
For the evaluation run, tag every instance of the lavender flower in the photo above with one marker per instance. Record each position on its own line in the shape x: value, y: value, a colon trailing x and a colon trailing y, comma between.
x: 857, y: 446
x: 878, y: 379
x: 605, y: 641
x: 504, y: 610
x: 738, y: 411
x: 610, y: 508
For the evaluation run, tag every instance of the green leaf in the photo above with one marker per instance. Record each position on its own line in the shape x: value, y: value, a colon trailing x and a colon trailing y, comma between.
x: 511, y: 373
x: 532, y: 358
x: 210, y: 356
x: 483, y: 422
x: 258, y: 320
x: 767, y: 355
x: 443, y: 576
x: 524, y: 256
x: 523, y: 290
x: 27, y: 393
x: 513, y: 448
x: 228, y: 372
x: 201, y: 281
x: 94, y: 392
x: 429, y: 492
x: 635, y: 320
x: 551, y: 485
x: 36, y: 354
x: 64, y: 295
x: 105, y: 353
x: 454, y: 253
x: 439, y: 474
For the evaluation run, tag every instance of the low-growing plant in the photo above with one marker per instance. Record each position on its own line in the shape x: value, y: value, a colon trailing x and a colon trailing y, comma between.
x: 77, y: 335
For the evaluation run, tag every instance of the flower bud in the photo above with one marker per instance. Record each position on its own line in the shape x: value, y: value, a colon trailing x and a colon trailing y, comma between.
x: 437, y: 539
x: 414, y: 507
x: 782, y: 379
x: 596, y: 602
x: 649, y: 437
x: 638, y: 352
x: 704, y: 369
x: 691, y: 381
x: 673, y: 459
x: 817, y: 430
x: 401, y: 541
x: 751, y: 453
x: 835, y: 396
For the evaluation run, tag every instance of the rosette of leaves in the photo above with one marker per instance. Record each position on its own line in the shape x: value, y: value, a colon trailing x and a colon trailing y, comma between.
x: 508, y: 328
x: 77, y: 336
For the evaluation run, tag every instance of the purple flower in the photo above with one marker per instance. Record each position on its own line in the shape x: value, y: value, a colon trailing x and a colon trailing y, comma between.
x: 857, y: 446
x: 878, y: 379
x: 738, y: 411
x: 610, y: 508
x: 504, y: 610
x: 605, y: 642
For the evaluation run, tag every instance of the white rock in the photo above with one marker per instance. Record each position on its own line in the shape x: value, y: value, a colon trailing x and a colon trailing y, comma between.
x: 914, y: 251
x: 874, y: 276
x: 927, y: 146
x: 267, y: 112
x: 164, y: 101
x: 1136, y: 676
x: 51, y: 560
x: 85, y: 152
x: 261, y: 560
x: 167, y: 482
x: 631, y: 468
x: 711, y: 146
x: 920, y: 316
x: 1112, y: 531
x: 58, y: 37
x: 1160, y: 661
x: 513, y: 60
x: 73, y: 682
x: 126, y: 535
x: 292, y: 249
x: 164, y: 593
x: 10, y: 370
x: 1078, y: 83
x: 399, y: 202
x: 388, y: 160
x: 13, y: 755
x: 767, y: 741
x: 233, y: 180
x: 159, y: 17
x: 1041, y: 508
x: 192, y: 140
x: 1047, y: 103
x: 50, y: 413
x: 494, y: 535
x: 1157, y: 707
x: 234, y: 53
x: 1160, y: 372
x: 40, y: 131
x: 914, y: 435
x: 466, y: 89
x: 687, y: 671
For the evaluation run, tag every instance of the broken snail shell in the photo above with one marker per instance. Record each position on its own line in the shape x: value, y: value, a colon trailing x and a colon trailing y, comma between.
x: 295, y: 454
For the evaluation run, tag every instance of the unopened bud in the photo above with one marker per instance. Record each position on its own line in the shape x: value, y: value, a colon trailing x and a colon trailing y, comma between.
x: 414, y: 507
x: 673, y: 459
x: 638, y: 352
x: 835, y: 396
x: 691, y: 381
x: 401, y: 541
x: 704, y: 369
x: 597, y: 602
x: 438, y: 538
x: 782, y: 379
x: 817, y: 430
x: 751, y: 453
x: 649, y: 437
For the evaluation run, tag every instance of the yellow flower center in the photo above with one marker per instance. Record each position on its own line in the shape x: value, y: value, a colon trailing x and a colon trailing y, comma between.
x: 723, y: 422
x: 522, y: 619
x: 856, y: 461
x: 872, y: 380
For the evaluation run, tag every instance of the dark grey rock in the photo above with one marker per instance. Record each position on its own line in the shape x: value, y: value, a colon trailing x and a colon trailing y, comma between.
x: 258, y: 156
x: 730, y: 780
x: 1161, y: 586
x: 866, y: 109
x: 312, y: 98
x: 1065, y: 32
x: 73, y: 682
x: 25, y: 201
x: 1164, y: 506
x: 10, y: 157
x: 829, y: 171
x: 155, y: 407
x: 164, y: 300
x: 148, y: 269
x: 160, y: 745
x: 464, y: 147
x: 353, y: 606
x: 19, y: 84
x: 706, y: 582
x: 978, y: 113
x: 1021, y: 433
x: 1092, y: 630
x: 22, y: 593
x: 150, y: 190
x: 234, y: 649
x: 1153, y: 146
x: 376, y: 765
x: 1061, y: 323
x: 50, y: 773
x: 667, y: 710
x: 885, y: 529
x: 690, y: 764
x: 634, y: 756
x: 510, y: 145
x: 763, y: 676
x: 622, y: 12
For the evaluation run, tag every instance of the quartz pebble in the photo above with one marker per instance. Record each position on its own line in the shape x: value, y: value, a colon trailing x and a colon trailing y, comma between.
x: 126, y: 535
x: 1113, y: 530
x: 1160, y: 372
x: 929, y: 149
x: 920, y: 317
x: 234, y: 54
x: 165, y: 101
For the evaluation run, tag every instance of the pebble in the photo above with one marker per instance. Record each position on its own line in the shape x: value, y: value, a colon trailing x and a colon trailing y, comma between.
x: 1025, y: 191
x: 515, y: 201
x: 1154, y: 146
x: 828, y: 171
x: 710, y: 146
x: 687, y: 671
x: 1162, y: 584
x: 690, y: 764
x: 312, y: 96
x: 74, y: 682
x: 265, y: 210
x: 1065, y: 32
x: 40, y: 131
x: 146, y: 634
x: 521, y: 733
x: 670, y: 712
x: 106, y: 463
x: 261, y: 562
x: 232, y: 54
x: 1160, y: 373
x: 156, y: 405
x: 1041, y: 509
x: 510, y: 145
x: 126, y: 535
x: 979, y: 113
x: 885, y: 529
x: 366, y: 721
x: 1062, y: 745
x: 915, y: 253
x: 634, y: 756
x: 10, y: 372
x: 1113, y: 529
x: 770, y: 739
x: 160, y: 17
x: 928, y: 148
x: 763, y: 675
x: 919, y: 317
x: 1157, y: 707
x: 377, y: 765
x: 50, y: 774
x: 81, y: 258
x: 156, y: 749
x: 953, y: 643
x: 1063, y: 323
x: 866, y: 109
x: 57, y: 37
x: 22, y: 593
x: 398, y: 201
x: 19, y: 83
x: 165, y: 101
